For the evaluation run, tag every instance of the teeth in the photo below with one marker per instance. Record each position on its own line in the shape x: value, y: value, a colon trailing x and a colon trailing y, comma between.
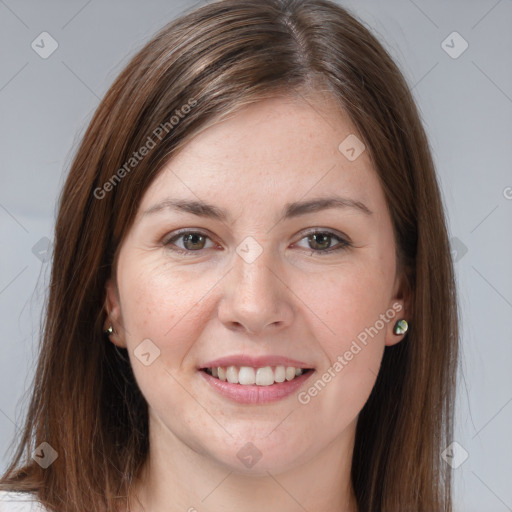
x: 290, y: 372
x: 246, y: 375
x: 265, y: 376
x: 232, y: 374
x: 280, y: 374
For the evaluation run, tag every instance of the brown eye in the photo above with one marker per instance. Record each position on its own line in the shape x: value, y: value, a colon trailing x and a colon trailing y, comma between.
x: 191, y: 241
x: 321, y: 242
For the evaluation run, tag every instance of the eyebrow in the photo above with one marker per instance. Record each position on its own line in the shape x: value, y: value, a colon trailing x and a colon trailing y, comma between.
x: 290, y: 210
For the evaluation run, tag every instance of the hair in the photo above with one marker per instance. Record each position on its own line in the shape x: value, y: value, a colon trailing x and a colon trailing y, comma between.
x: 85, y: 401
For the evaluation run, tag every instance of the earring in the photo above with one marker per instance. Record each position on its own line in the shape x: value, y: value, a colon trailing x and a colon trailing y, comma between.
x: 110, y: 330
x: 400, y: 327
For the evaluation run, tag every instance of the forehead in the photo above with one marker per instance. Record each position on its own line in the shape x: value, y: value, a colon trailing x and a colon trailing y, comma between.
x: 276, y: 150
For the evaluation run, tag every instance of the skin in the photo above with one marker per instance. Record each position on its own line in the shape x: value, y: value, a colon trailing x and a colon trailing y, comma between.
x: 290, y: 301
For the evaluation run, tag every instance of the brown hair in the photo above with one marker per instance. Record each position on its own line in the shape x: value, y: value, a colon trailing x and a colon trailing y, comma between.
x: 85, y: 401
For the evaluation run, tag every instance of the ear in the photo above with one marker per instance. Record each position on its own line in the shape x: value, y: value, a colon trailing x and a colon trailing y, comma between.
x: 399, y: 309
x: 114, y: 317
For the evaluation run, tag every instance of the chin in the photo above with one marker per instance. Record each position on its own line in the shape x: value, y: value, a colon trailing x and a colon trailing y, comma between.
x: 258, y: 456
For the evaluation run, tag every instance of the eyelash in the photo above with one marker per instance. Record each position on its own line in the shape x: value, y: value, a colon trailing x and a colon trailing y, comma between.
x: 344, y: 243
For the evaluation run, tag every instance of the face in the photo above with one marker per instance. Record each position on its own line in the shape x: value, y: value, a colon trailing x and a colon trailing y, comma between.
x: 260, y: 283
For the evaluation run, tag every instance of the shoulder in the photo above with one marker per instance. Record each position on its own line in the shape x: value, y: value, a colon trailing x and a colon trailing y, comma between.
x: 19, y: 502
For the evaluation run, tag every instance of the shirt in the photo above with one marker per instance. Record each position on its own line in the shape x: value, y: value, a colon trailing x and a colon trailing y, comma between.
x: 19, y: 502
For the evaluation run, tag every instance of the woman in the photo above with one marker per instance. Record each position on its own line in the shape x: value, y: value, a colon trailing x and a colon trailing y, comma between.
x: 252, y: 301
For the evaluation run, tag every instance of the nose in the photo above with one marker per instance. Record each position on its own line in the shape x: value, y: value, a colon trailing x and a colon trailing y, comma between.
x: 256, y: 297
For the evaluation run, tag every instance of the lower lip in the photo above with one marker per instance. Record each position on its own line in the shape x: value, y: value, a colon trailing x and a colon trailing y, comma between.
x: 252, y: 394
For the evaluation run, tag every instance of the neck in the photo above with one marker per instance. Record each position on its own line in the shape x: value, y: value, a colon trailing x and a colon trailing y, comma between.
x: 176, y: 477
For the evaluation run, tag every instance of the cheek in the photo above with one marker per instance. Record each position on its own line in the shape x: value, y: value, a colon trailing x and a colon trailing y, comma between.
x: 164, y: 305
x: 354, y: 308
x: 350, y: 302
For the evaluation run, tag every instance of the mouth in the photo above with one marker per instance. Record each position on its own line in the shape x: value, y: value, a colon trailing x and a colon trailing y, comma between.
x: 255, y: 385
x: 250, y: 376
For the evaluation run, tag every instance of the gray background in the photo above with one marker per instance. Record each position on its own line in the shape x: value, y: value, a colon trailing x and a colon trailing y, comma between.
x: 466, y: 105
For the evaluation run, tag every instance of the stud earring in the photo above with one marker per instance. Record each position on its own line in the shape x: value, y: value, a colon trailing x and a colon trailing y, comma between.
x: 400, y: 327
x: 110, y: 330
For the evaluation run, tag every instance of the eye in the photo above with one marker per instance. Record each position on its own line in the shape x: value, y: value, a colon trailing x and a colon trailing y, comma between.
x: 192, y: 241
x: 320, y: 242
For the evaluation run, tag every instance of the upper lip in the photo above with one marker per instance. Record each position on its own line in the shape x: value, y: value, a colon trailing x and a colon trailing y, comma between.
x: 255, y: 362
